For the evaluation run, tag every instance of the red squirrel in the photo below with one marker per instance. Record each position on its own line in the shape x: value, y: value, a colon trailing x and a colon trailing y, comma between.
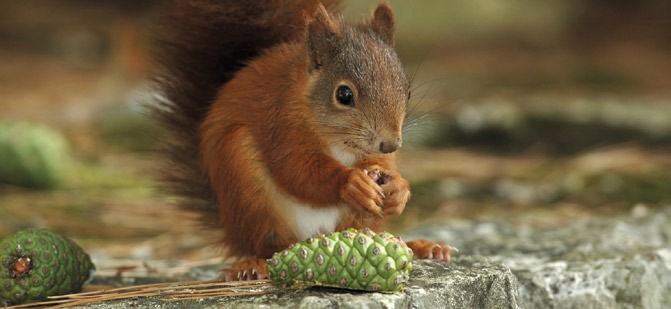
x: 284, y: 120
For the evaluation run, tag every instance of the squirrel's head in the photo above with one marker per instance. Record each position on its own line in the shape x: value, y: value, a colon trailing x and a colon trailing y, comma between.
x: 358, y: 86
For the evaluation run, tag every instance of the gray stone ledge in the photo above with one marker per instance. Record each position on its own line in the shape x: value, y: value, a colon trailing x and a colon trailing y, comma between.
x: 604, y: 262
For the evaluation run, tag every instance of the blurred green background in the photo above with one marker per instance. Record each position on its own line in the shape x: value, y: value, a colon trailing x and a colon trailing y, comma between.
x: 555, y: 110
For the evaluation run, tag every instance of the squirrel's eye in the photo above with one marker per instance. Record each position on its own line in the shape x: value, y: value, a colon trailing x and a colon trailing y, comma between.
x: 344, y: 96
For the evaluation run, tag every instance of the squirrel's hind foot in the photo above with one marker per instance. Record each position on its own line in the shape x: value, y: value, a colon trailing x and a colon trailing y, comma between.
x: 426, y: 249
x: 251, y: 269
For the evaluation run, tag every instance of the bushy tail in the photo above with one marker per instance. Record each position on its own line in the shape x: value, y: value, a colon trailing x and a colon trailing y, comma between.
x: 198, y: 46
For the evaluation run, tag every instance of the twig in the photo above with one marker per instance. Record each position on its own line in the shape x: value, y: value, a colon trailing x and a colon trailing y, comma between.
x: 172, y: 291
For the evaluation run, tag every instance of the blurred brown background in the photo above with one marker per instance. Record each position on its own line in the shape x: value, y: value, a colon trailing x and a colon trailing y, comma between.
x: 554, y: 110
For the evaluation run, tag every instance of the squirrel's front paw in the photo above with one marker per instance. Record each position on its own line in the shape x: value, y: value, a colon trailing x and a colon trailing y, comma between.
x: 396, y: 190
x: 362, y: 192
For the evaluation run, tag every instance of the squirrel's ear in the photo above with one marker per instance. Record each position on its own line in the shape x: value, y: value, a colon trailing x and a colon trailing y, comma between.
x: 383, y: 23
x: 322, y: 37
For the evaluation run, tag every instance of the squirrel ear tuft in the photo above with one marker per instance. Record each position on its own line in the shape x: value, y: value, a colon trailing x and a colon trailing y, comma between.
x: 383, y: 23
x: 322, y: 37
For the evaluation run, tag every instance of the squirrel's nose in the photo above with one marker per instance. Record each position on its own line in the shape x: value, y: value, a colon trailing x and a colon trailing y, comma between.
x: 389, y: 146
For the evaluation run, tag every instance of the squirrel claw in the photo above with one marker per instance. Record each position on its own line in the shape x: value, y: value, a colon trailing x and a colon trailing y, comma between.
x: 252, y: 269
x: 362, y: 193
x: 391, y: 187
x: 425, y: 249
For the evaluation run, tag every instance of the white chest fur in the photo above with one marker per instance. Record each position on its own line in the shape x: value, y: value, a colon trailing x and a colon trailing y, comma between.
x: 343, y: 155
x: 311, y: 222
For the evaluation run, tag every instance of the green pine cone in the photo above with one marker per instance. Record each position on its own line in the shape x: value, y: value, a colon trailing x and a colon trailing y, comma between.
x: 351, y: 259
x: 37, y: 263
x: 32, y: 156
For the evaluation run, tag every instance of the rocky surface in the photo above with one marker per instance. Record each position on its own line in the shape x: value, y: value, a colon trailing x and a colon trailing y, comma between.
x: 621, y: 262
x: 599, y: 262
